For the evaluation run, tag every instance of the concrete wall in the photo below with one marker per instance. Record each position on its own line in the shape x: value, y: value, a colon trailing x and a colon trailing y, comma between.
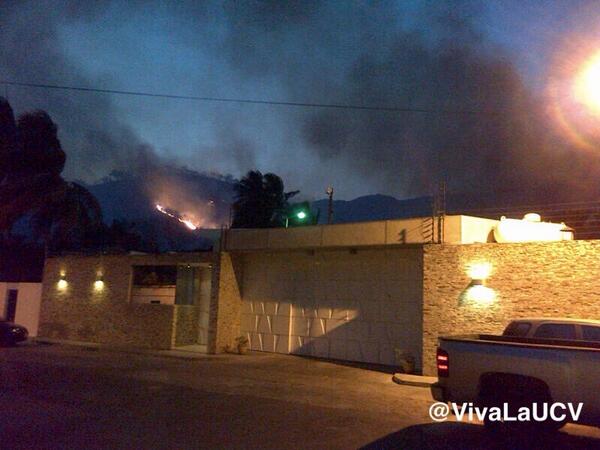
x: 164, y: 294
x: 81, y: 312
x: 351, y: 305
x: 556, y: 279
x: 475, y: 230
x: 28, y: 304
x: 457, y: 229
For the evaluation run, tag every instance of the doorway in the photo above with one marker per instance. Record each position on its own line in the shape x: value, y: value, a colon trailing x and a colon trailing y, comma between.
x: 11, y: 305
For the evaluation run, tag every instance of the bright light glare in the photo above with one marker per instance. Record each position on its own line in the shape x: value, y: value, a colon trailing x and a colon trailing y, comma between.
x: 62, y: 284
x: 98, y: 285
x: 587, y: 86
x: 301, y: 215
x: 480, y: 271
x: 481, y: 295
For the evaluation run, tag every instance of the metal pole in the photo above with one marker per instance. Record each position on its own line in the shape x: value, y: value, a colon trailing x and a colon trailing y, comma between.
x: 329, y: 192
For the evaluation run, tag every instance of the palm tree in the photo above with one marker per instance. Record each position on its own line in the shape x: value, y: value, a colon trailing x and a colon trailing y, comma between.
x: 70, y: 218
x: 260, y: 201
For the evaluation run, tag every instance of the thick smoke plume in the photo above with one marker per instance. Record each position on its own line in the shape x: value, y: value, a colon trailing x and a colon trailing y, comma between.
x: 483, y: 131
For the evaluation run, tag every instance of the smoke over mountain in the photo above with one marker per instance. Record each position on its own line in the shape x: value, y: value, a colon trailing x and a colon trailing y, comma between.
x: 478, y: 125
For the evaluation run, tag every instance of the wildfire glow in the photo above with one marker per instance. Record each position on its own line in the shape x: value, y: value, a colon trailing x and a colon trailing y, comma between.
x: 188, y: 224
x: 184, y: 220
x: 587, y: 85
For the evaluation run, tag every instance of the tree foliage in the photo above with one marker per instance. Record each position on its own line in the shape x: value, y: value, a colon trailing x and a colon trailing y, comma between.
x: 261, y: 201
x: 60, y: 214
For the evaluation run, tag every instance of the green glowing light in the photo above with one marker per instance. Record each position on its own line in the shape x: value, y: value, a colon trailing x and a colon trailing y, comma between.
x: 301, y: 215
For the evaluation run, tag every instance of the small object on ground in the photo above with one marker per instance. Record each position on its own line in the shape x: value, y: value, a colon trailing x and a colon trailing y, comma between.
x: 242, y: 345
x: 414, y: 380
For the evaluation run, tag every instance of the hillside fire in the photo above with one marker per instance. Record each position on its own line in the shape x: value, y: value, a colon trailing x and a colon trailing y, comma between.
x: 176, y: 215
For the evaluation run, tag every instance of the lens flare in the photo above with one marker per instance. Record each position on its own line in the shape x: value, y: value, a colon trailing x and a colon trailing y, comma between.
x: 587, y: 84
x: 573, y: 91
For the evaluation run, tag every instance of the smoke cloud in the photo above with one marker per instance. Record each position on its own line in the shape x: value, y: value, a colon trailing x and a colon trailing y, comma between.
x: 484, y: 129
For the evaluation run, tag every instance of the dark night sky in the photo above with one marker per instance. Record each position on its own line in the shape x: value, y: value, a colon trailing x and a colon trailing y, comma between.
x: 479, y: 55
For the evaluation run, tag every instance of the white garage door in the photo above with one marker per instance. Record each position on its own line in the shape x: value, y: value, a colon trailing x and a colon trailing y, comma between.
x: 357, y: 306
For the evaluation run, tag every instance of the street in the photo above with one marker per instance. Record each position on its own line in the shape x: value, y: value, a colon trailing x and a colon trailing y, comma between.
x: 55, y: 396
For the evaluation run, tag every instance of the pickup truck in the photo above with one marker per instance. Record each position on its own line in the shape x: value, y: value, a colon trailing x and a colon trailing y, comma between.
x: 534, y: 361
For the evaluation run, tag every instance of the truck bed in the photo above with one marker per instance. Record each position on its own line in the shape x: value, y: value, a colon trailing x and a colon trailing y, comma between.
x: 491, y: 339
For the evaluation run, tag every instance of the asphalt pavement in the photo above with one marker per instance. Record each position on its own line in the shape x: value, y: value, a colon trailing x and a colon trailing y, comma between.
x: 55, y: 396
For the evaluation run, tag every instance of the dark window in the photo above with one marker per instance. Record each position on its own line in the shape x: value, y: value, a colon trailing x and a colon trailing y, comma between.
x: 517, y: 329
x: 591, y: 333
x: 11, y: 305
x: 555, y: 331
x: 154, y: 275
x: 188, y: 285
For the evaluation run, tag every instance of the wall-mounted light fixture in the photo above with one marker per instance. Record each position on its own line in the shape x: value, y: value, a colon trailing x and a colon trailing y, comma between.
x: 480, y: 295
x: 99, y: 283
x: 477, y: 292
x: 479, y: 272
x: 62, y: 282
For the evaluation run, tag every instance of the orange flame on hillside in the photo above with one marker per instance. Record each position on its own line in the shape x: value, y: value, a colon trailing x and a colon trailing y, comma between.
x: 184, y: 220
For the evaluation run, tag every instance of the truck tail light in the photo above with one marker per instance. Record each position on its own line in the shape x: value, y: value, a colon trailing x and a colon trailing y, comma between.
x: 443, y: 363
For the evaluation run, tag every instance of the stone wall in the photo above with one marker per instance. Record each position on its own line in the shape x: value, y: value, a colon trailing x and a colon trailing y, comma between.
x: 186, y: 321
x: 225, y: 308
x: 81, y: 312
x: 558, y: 279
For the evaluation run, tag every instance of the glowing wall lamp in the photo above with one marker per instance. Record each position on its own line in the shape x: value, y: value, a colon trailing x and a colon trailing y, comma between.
x: 477, y: 292
x: 99, y: 283
x: 479, y: 272
x: 480, y: 295
x: 62, y: 282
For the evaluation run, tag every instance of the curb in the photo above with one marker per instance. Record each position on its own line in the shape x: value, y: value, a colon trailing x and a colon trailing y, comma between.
x: 178, y: 354
x: 413, y: 380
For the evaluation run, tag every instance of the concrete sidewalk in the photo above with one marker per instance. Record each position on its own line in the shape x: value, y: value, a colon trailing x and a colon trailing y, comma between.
x: 189, y: 352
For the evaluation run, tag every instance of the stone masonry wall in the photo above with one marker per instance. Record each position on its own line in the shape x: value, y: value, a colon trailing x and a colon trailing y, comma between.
x: 558, y: 279
x: 226, y: 301
x: 185, y: 326
x: 80, y: 312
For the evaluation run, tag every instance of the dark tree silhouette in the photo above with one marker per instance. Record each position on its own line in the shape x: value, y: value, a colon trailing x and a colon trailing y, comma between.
x: 260, y: 201
x: 8, y: 138
x: 61, y: 214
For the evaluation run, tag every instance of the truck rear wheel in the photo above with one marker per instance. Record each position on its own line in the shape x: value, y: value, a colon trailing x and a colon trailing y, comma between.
x: 515, y: 391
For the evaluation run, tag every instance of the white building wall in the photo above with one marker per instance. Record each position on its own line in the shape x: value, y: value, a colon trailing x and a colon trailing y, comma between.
x: 28, y: 304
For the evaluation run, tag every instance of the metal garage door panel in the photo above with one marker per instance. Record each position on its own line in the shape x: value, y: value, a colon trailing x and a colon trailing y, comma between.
x: 266, y: 324
x: 355, y: 306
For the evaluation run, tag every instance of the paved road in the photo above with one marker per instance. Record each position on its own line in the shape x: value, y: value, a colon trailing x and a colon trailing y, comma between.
x: 69, y: 397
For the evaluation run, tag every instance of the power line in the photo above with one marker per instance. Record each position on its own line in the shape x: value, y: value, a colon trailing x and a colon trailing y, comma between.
x: 248, y: 101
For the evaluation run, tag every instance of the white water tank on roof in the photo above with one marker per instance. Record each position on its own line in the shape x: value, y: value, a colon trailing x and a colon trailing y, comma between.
x: 530, y: 229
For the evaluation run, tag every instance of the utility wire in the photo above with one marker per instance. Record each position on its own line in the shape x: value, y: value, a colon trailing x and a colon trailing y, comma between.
x: 248, y: 101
